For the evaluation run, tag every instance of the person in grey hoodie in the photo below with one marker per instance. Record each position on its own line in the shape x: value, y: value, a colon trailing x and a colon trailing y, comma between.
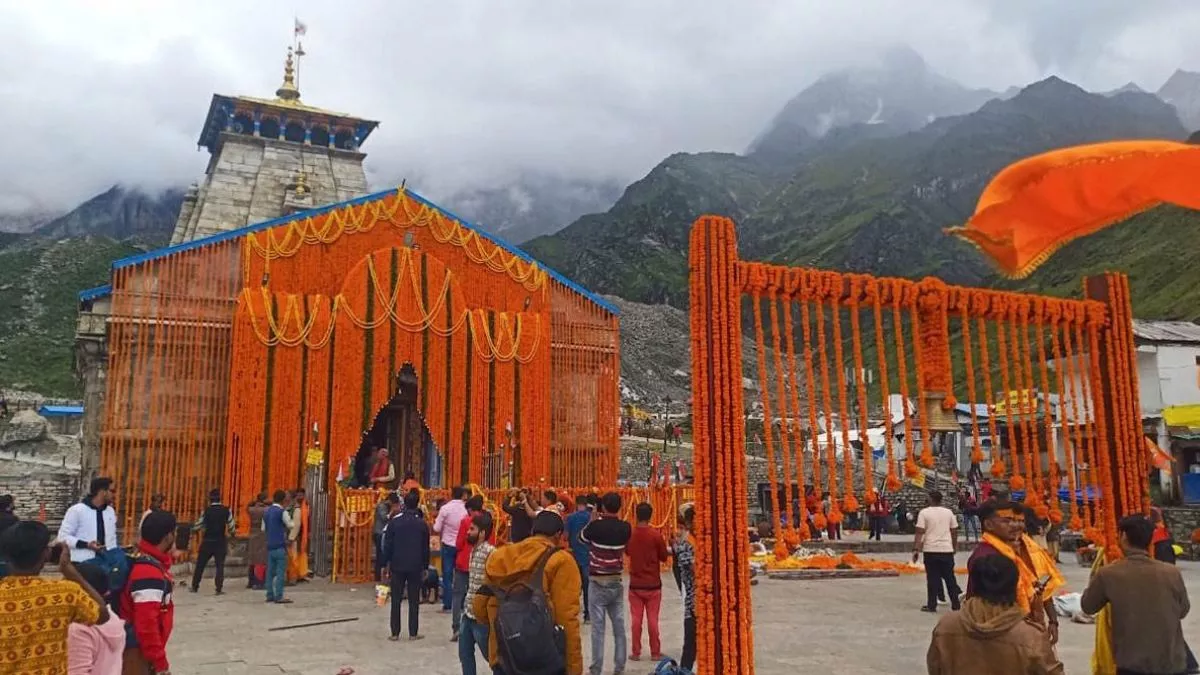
x: 382, y: 513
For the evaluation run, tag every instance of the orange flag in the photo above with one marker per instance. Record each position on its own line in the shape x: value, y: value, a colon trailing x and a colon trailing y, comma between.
x: 1036, y: 206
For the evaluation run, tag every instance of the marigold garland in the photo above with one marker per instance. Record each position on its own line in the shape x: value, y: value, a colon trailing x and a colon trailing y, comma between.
x: 969, y: 364
x: 999, y: 468
x: 849, y: 503
x: 810, y: 380
x: 923, y: 367
x: 892, y: 482
x: 785, y: 421
x: 723, y: 608
x: 911, y: 470
x: 1053, y: 509
x: 801, y: 529
x: 1069, y: 419
x: 861, y: 389
x: 757, y: 284
x: 827, y: 403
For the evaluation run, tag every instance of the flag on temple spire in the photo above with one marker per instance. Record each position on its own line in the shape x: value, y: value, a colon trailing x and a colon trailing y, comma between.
x: 301, y: 27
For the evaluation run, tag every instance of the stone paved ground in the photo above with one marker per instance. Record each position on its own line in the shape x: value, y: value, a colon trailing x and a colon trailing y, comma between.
x: 840, y: 627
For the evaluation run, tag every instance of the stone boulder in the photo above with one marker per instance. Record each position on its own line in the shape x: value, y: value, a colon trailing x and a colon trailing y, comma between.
x: 25, y: 427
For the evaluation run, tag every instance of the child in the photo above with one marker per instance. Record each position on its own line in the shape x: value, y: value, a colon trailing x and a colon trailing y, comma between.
x: 96, y: 650
x: 431, y: 587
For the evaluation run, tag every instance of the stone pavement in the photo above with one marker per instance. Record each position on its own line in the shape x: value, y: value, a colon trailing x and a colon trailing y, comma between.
x: 835, y: 627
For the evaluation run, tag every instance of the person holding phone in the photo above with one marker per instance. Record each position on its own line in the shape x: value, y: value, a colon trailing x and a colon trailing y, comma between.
x: 991, y: 635
x: 35, y: 639
x: 90, y: 527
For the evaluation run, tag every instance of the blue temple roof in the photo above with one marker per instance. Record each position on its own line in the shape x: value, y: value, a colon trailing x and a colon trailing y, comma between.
x: 92, y: 294
x: 222, y: 109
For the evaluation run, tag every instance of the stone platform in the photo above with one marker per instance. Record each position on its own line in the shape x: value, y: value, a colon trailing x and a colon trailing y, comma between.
x: 818, y: 575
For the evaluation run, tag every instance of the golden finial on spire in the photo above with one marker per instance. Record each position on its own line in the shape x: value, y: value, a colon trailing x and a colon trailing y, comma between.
x: 301, y: 186
x: 288, y: 91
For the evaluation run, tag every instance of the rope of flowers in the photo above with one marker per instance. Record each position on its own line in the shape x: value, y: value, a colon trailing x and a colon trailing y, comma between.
x: 892, y: 482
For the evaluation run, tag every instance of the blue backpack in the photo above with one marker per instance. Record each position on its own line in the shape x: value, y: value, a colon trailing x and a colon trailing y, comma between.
x: 668, y: 667
x: 117, y: 564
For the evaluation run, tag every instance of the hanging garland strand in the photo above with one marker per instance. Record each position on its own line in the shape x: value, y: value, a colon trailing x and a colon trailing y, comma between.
x: 892, y: 482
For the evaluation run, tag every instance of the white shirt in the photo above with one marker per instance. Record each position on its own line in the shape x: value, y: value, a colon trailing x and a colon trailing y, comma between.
x: 937, y: 522
x: 79, y: 524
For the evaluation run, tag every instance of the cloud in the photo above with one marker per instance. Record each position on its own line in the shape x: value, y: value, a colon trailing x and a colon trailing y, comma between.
x: 472, y: 93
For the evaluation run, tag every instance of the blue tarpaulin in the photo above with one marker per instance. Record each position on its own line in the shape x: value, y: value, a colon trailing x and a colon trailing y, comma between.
x: 60, y: 410
x: 1063, y: 495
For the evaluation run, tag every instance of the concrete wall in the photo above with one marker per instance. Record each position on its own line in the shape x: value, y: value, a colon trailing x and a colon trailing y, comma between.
x: 1168, y: 376
x: 33, y: 488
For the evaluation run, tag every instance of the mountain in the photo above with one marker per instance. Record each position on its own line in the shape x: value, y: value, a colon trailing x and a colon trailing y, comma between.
x: 1182, y: 90
x: 120, y: 213
x: 1128, y: 87
x: 867, y: 204
x: 42, y: 272
x: 638, y: 248
x: 39, y: 283
x: 532, y: 205
x: 24, y: 222
x: 901, y: 93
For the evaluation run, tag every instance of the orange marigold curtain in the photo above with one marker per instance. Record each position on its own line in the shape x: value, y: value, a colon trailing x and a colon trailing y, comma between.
x: 1039, y: 204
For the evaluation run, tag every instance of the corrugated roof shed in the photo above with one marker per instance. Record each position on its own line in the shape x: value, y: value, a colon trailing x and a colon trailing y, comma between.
x: 1172, y: 332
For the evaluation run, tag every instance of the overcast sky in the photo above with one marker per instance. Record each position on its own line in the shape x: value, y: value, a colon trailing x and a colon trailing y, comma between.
x: 474, y: 92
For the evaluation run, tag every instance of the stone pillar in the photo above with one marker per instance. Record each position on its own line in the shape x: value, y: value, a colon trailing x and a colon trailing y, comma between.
x: 91, y: 371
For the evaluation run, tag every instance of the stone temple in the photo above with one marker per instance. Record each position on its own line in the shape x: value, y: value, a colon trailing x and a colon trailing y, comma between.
x: 297, y: 324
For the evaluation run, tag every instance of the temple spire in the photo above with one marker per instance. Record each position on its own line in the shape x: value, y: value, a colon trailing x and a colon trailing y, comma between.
x: 288, y: 91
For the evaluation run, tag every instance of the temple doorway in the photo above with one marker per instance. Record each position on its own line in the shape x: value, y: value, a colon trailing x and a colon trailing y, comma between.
x: 400, y: 428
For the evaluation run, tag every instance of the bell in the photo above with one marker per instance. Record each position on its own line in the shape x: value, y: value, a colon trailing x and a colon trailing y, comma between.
x: 939, y: 418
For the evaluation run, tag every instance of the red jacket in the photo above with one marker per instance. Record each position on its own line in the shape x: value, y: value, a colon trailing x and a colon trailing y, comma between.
x: 462, y: 548
x: 647, y: 552
x: 146, y: 604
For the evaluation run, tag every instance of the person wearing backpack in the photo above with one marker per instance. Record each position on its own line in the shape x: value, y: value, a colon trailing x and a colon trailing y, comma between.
x: 606, y: 537
x: 145, y: 602
x: 530, y: 602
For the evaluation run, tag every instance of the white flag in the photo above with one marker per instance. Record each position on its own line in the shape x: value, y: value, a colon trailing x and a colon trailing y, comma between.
x: 301, y: 28
x: 341, y: 476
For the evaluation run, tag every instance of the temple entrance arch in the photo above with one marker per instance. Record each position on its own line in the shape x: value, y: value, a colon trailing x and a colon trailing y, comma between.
x: 400, y: 428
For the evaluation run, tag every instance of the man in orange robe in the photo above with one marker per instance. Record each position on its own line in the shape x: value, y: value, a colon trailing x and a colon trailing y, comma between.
x: 297, y: 569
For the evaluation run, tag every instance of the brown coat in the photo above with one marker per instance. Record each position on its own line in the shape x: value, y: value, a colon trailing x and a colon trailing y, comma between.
x: 256, y: 547
x: 514, y: 563
x: 987, y: 639
x: 1149, y: 602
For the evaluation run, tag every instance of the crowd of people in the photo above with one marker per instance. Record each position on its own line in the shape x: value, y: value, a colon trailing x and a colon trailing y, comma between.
x: 521, y: 604
x: 1006, y: 622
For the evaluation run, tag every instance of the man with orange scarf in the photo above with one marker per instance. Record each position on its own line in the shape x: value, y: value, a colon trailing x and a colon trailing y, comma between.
x: 1004, y: 534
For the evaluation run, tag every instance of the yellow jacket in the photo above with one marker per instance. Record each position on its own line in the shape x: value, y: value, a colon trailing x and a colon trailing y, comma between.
x: 514, y: 563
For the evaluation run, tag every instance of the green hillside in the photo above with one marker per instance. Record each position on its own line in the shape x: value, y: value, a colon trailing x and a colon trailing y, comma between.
x: 870, y: 202
x: 39, y: 285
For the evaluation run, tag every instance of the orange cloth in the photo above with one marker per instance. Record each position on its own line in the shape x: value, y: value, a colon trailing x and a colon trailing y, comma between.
x: 298, y: 550
x: 1037, y: 205
x: 1043, y: 565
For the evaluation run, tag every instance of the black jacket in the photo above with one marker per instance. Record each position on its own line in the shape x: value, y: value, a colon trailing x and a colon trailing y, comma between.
x: 406, y: 543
